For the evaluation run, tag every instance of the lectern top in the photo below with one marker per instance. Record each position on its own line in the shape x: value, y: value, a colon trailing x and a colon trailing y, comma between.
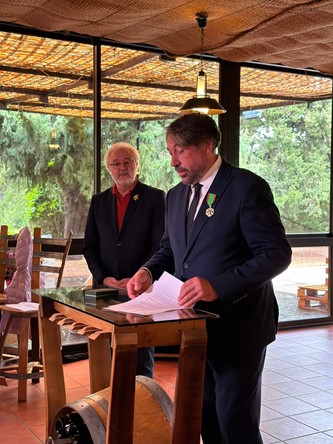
x: 75, y: 298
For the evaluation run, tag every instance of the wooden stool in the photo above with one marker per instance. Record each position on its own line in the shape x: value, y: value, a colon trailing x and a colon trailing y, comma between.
x: 314, y: 297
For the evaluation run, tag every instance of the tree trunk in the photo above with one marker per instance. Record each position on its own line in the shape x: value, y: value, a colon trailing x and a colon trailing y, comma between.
x: 76, y: 210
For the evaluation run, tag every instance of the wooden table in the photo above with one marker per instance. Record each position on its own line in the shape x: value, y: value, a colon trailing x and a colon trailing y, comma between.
x: 113, y: 362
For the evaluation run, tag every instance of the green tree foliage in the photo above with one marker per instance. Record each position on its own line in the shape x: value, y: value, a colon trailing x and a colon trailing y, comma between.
x: 155, y: 168
x: 13, y: 205
x: 290, y: 148
x: 61, y: 169
x: 44, y: 206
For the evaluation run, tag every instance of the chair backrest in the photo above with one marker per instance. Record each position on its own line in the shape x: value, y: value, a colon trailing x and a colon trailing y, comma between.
x: 7, y: 246
x: 46, y: 250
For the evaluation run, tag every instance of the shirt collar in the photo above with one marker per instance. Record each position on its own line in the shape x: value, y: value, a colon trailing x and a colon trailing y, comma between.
x: 116, y: 192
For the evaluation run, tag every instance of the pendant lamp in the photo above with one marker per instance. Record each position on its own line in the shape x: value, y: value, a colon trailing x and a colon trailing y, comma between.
x: 201, y: 102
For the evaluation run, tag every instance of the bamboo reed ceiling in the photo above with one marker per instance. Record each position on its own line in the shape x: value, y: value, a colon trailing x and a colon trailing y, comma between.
x: 295, y: 33
x: 40, y: 74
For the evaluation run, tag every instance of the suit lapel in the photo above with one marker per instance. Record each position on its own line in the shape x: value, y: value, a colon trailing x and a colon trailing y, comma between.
x: 111, y: 211
x: 219, y: 185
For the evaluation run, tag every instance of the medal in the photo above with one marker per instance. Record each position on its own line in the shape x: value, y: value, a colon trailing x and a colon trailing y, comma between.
x: 210, y: 199
x: 210, y: 212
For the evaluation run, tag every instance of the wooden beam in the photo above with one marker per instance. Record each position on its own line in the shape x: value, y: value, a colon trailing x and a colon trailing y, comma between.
x: 128, y: 64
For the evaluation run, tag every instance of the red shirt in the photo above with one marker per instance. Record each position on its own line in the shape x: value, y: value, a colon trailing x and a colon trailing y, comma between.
x: 121, y: 203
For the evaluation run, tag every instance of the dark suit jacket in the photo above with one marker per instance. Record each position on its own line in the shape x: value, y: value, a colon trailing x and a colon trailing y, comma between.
x: 239, y: 250
x: 120, y: 254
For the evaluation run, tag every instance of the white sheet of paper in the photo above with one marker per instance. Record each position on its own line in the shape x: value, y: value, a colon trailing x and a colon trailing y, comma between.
x: 161, y: 296
x: 24, y: 306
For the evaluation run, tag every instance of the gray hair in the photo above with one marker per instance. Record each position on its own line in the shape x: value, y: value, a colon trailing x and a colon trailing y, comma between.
x: 118, y: 145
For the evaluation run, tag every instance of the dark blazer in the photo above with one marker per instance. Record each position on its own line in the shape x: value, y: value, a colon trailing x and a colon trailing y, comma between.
x: 109, y: 252
x: 239, y: 249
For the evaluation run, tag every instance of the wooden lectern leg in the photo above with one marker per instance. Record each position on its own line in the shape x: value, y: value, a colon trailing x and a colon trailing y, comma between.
x: 122, y: 389
x: 99, y: 364
x: 55, y: 394
x: 187, y: 410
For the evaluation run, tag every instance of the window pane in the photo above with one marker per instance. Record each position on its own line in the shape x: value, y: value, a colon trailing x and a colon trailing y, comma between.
x: 46, y: 134
x: 302, y: 290
x: 76, y: 272
x: 288, y: 142
x: 141, y: 94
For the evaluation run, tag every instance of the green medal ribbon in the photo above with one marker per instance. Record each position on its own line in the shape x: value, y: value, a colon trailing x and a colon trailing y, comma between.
x: 210, y: 199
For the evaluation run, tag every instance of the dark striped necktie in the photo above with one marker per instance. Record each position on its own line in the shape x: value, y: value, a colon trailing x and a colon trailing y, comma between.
x: 192, y: 209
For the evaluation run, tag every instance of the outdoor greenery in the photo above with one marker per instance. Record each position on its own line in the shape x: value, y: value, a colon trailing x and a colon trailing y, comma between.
x: 291, y: 148
x: 46, y: 170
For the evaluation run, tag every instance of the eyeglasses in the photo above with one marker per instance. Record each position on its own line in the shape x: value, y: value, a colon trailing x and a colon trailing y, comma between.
x: 127, y: 164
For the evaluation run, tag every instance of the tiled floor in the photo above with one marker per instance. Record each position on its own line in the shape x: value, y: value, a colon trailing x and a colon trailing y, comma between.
x: 297, y: 401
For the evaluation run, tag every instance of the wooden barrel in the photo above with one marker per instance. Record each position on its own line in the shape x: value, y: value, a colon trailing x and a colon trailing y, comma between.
x: 152, y: 417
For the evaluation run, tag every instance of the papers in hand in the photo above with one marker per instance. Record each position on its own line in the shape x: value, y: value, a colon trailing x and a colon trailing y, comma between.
x: 161, y: 296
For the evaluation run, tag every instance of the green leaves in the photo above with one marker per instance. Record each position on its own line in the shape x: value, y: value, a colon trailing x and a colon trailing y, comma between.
x: 290, y: 148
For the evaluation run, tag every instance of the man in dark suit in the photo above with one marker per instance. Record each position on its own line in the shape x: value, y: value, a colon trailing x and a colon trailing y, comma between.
x: 124, y: 227
x: 235, y: 246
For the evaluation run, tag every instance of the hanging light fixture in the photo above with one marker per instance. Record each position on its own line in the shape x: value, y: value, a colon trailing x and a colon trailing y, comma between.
x: 202, y: 103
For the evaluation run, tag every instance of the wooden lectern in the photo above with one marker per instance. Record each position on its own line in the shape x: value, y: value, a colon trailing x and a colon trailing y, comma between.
x: 113, y: 339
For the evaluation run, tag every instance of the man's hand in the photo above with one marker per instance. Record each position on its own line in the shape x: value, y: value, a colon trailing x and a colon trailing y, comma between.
x: 123, y: 283
x: 139, y: 283
x: 194, y: 290
x: 111, y: 282
x: 136, y: 319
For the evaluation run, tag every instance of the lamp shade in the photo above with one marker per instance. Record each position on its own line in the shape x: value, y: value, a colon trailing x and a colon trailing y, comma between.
x: 204, y: 105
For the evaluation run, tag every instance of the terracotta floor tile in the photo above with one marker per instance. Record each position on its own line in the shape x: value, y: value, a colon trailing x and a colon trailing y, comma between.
x: 40, y: 385
x: 19, y: 435
x: 8, y: 393
x: 76, y: 368
x: 32, y: 417
x: 70, y: 382
x: 76, y: 393
x: 9, y: 421
x: 82, y: 380
x: 31, y: 404
x: 3, y: 408
x: 39, y: 432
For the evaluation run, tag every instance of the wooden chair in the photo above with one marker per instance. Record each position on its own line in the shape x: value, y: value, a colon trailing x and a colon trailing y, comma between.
x: 44, y: 251
x: 7, y: 245
x: 314, y: 297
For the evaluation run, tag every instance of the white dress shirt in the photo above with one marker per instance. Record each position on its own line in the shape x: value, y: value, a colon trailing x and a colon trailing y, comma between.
x: 206, y: 182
